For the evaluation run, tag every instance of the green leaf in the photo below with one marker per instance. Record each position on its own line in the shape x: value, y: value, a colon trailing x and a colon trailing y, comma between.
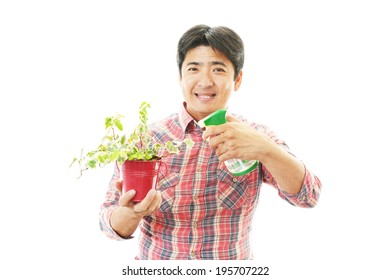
x: 108, y: 122
x: 189, y: 143
x: 171, y: 147
x: 118, y: 124
x: 91, y: 163
x: 114, y: 155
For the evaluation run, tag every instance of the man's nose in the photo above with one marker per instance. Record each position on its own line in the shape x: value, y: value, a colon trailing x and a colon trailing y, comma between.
x: 205, y: 80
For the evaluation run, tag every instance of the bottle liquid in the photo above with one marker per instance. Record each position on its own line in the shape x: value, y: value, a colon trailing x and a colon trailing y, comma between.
x: 236, y: 167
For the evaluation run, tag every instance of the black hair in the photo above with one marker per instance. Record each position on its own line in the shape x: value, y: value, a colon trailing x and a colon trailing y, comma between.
x: 220, y: 38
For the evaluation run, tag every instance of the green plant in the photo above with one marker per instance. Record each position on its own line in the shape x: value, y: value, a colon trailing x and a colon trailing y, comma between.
x: 117, y: 146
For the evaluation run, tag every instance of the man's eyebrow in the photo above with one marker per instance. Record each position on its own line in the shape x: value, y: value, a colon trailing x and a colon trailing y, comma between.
x: 217, y: 62
x: 193, y: 63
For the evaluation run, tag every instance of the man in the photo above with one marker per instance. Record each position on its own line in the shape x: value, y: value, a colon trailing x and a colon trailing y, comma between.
x: 200, y: 210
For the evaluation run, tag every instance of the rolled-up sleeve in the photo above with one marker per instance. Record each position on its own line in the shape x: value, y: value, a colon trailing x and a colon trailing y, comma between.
x: 309, y: 194
x: 109, y: 205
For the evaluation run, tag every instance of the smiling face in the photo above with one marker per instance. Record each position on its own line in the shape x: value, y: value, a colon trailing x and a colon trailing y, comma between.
x: 207, y: 81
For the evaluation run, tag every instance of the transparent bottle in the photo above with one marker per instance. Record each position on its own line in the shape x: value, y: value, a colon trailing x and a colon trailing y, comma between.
x: 236, y: 167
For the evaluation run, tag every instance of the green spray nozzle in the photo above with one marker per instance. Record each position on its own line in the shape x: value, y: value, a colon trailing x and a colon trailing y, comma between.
x: 216, y: 118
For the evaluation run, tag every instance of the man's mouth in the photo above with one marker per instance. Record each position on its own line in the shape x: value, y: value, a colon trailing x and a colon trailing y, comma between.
x: 205, y: 97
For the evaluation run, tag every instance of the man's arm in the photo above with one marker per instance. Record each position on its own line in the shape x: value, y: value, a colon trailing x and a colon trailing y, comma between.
x: 236, y: 139
x: 287, y: 170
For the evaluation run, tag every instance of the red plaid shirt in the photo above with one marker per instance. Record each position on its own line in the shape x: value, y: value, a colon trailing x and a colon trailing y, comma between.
x: 206, y: 213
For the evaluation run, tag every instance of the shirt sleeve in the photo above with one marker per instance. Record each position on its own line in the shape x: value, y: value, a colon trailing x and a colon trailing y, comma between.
x: 307, y: 197
x: 109, y: 205
x: 310, y: 190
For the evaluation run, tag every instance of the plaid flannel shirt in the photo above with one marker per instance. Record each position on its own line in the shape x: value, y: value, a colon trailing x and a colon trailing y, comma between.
x: 206, y: 213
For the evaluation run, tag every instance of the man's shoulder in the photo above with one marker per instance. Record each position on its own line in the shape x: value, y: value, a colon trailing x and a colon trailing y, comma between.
x: 172, y: 119
x: 167, y: 127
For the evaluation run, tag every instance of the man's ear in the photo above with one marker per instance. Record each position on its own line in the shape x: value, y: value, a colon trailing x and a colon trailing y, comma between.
x: 237, y: 82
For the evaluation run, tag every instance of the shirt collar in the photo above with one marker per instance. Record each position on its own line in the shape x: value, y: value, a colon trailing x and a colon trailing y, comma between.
x: 185, y: 118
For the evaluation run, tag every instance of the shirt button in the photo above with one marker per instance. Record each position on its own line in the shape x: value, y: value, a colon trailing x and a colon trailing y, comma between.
x: 235, y: 180
x: 302, y: 198
x: 194, y: 223
x: 199, y: 169
x: 195, y: 197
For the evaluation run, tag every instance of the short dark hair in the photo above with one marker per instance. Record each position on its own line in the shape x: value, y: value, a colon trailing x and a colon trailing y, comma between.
x: 219, y: 38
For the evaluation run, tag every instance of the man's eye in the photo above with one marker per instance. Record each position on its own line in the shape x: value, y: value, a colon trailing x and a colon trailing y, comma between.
x: 192, y: 69
x: 219, y: 70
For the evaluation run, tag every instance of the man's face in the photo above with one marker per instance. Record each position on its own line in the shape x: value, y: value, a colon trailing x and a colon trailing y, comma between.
x: 207, y: 81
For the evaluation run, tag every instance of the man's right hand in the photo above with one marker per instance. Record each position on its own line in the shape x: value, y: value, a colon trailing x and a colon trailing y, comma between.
x: 147, y: 206
x: 125, y: 219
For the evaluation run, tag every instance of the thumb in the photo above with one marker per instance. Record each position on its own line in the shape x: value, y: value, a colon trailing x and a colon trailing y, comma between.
x: 230, y: 118
x: 125, y: 199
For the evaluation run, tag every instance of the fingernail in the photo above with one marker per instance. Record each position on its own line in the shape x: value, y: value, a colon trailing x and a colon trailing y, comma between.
x: 131, y: 192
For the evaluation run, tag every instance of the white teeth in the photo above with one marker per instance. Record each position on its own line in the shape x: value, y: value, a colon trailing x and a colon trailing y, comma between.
x: 205, y: 96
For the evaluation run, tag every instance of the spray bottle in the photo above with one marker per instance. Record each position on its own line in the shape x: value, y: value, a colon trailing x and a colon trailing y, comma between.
x: 236, y: 167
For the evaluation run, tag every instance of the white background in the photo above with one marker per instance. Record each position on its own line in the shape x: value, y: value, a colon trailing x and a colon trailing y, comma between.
x: 317, y: 72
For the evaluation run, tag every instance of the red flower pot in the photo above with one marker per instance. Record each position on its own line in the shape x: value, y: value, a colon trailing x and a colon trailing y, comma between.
x: 141, y: 176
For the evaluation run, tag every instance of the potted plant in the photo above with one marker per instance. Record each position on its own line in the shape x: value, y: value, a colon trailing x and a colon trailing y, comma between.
x: 138, y: 157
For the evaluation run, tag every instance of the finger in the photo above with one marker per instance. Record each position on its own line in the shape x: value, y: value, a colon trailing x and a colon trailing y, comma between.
x: 125, y: 199
x: 144, y: 204
x: 221, y: 149
x: 217, y: 141
x: 118, y: 185
x: 212, y: 131
x: 155, y: 203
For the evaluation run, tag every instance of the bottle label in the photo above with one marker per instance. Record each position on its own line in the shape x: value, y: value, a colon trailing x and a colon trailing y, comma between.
x: 240, y: 167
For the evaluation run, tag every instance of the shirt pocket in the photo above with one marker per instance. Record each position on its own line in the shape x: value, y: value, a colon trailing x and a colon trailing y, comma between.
x: 167, y: 188
x: 232, y: 190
